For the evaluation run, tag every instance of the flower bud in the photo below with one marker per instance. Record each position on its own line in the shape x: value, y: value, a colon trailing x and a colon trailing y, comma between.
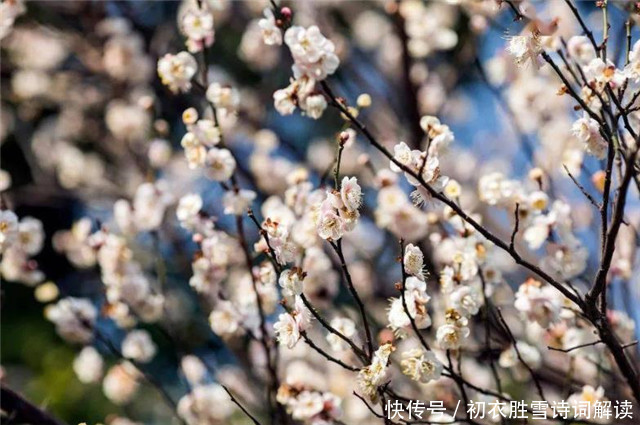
x: 190, y: 116
x: 364, y: 100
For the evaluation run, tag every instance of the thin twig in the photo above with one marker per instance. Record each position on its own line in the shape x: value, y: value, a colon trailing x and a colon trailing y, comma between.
x: 577, y: 347
x: 444, y: 199
x: 582, y: 189
x: 337, y: 246
x: 516, y: 226
x: 237, y: 403
x: 357, y: 350
x: 326, y: 355
x: 520, y: 358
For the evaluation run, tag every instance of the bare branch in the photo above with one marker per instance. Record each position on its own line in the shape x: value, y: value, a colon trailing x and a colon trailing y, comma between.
x: 582, y: 189
x: 237, y: 403
x: 337, y: 246
x: 520, y: 358
x: 577, y: 347
x: 454, y: 206
x: 326, y: 355
x: 20, y: 410
x: 516, y: 215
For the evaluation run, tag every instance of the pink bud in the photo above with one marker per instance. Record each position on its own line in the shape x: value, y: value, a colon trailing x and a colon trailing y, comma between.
x: 285, y: 12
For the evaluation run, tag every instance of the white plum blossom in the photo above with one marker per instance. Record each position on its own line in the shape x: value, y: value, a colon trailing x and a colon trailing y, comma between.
x: 204, y: 131
x: 509, y: 358
x: 139, y: 346
x: 538, y: 200
x: 88, y: 365
x: 424, y: 165
x: 149, y: 205
x: 315, y: 106
x: 8, y: 229
x: 286, y: 330
x: 402, y: 154
x: 74, y: 318
x: 351, y: 193
x: 120, y: 383
x: 373, y: 375
x: 307, y: 405
x: 440, y: 135
x: 313, y: 54
x: 271, y: 34
x: 538, y: 231
x: 330, y: 224
x: 581, y: 49
x: 300, y: 93
x: 413, y: 261
x: 539, y: 303
x: 225, y: 98
x: 450, y: 337
x: 467, y: 299
x: 176, y: 71
x: 632, y: 70
x: 159, y: 153
x: 346, y: 327
x: 452, y: 334
x: 525, y: 48
x: 193, y: 368
x: 85, y: 112
x: 602, y: 74
x: 285, y: 101
x: 188, y: 210
x: 420, y: 365
x: 291, y: 282
x: 225, y: 319
x: 205, y: 404
x: 415, y: 298
x: 587, y: 130
x: 495, y: 189
x: 588, y: 401
x: 220, y: 164
x: 237, y: 202
x: 9, y: 11
x: 30, y: 235
x: 197, y: 26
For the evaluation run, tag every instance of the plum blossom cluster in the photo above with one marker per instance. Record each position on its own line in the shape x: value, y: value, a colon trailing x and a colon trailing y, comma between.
x: 309, y: 406
x: 424, y: 164
x: 20, y: 239
x: 197, y: 26
x: 314, y: 59
x: 338, y: 213
x: 540, y: 223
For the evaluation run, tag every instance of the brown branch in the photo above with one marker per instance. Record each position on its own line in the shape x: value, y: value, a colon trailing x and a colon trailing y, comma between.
x: 272, y: 257
x: 515, y: 227
x: 583, y: 25
x: 326, y: 355
x: 577, y: 347
x: 487, y: 332
x: 337, y: 246
x: 20, y: 410
x: 582, y: 189
x: 237, y: 403
x: 442, y: 198
x: 616, y: 220
x: 410, y: 90
x: 520, y: 358
x: 357, y: 350
x: 517, y: 15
